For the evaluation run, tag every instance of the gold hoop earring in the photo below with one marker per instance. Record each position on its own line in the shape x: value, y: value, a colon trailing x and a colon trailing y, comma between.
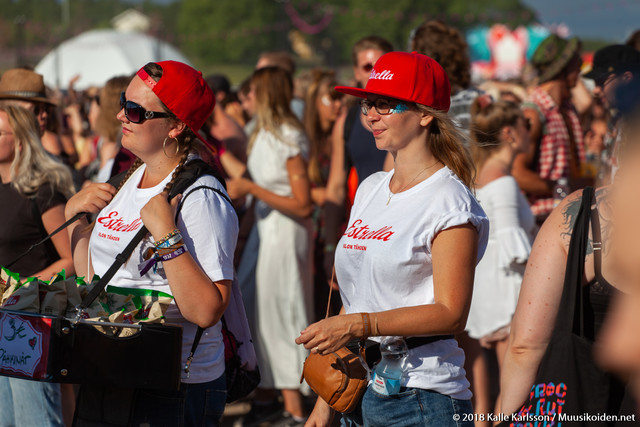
x: 164, y: 143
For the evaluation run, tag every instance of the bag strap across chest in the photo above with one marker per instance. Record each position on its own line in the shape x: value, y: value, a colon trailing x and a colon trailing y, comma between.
x: 571, y: 313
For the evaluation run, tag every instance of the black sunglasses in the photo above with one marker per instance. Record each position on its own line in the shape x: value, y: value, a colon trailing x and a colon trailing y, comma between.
x: 136, y: 113
x: 367, y: 67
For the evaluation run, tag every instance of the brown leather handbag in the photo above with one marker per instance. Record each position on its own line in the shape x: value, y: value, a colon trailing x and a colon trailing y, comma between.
x: 339, y: 378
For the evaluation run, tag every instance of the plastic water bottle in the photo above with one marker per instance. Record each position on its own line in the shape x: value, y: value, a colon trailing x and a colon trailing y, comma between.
x: 387, y: 375
x: 560, y: 190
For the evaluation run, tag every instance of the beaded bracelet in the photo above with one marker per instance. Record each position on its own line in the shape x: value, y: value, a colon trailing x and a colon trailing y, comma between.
x: 171, y: 241
x: 167, y: 237
x: 164, y: 254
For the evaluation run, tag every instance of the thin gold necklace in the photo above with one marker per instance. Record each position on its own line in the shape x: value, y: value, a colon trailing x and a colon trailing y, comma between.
x: 409, y: 183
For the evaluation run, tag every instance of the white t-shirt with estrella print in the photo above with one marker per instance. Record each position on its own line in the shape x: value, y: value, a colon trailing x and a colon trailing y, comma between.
x: 383, y: 261
x: 209, y: 227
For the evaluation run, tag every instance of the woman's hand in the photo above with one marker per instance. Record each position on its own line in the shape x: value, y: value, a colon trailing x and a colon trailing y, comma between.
x: 332, y: 333
x: 91, y: 199
x: 321, y: 415
x: 158, y: 214
x: 238, y: 187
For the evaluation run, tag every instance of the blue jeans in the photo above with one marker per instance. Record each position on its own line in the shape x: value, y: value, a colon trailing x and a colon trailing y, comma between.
x: 29, y: 403
x: 194, y: 405
x: 411, y: 407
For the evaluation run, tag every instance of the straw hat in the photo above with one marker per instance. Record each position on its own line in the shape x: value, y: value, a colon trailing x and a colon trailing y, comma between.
x: 24, y: 85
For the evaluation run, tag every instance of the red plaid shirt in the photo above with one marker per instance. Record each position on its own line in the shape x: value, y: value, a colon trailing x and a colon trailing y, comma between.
x: 555, y: 147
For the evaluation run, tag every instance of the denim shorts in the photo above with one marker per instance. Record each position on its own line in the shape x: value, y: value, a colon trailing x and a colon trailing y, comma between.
x: 410, y: 407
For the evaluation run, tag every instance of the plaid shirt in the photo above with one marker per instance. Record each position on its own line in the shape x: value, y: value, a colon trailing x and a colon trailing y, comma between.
x: 555, y: 159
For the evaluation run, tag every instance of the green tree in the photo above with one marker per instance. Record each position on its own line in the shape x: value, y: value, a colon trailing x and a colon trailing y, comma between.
x: 229, y: 30
x: 238, y: 30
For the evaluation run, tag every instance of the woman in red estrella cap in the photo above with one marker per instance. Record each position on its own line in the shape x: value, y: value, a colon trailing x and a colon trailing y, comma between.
x: 199, y: 278
x: 405, y: 264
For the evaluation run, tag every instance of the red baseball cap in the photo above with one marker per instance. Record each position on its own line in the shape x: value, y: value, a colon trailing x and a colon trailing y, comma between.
x: 185, y: 93
x: 409, y: 77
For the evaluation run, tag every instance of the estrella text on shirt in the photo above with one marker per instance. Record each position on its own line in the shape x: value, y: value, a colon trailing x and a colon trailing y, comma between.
x: 112, y: 222
x: 363, y: 232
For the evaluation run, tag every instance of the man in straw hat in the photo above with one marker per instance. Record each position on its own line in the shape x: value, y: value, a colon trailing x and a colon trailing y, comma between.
x: 25, y: 88
x: 557, y: 148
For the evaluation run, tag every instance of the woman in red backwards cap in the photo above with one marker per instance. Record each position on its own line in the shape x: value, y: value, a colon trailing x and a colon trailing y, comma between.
x: 405, y: 264
x: 164, y: 107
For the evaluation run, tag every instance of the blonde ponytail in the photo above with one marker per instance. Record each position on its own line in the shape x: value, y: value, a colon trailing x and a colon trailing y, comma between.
x: 450, y: 145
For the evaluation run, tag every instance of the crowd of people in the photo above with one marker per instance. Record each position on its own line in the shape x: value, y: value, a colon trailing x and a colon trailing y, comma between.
x: 438, y: 206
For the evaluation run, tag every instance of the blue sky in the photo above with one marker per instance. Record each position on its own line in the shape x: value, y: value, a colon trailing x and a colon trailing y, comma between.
x: 612, y: 20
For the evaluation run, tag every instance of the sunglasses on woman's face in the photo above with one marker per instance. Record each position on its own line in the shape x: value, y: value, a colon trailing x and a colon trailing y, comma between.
x: 383, y: 106
x: 136, y: 113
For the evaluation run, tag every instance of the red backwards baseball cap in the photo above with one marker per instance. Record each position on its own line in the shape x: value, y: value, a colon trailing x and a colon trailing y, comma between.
x: 409, y: 77
x: 185, y: 93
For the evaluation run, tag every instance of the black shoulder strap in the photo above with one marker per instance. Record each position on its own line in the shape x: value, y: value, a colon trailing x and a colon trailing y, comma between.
x: 573, y: 291
x: 192, y: 171
x: 200, y: 330
x: 117, y: 179
x: 596, y: 237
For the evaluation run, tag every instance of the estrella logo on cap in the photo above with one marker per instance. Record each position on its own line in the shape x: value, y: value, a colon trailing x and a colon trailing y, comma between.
x: 419, y: 79
x: 382, y: 75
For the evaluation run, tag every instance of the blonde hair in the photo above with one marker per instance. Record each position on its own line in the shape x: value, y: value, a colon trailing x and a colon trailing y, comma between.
x: 273, y: 91
x: 32, y: 166
x: 487, y: 121
x: 449, y: 145
x: 311, y: 119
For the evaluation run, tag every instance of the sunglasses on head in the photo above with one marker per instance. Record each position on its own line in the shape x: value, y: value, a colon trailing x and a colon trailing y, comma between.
x: 136, y: 113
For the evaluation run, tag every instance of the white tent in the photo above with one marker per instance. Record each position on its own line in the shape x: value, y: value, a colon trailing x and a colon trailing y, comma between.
x: 99, y: 55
